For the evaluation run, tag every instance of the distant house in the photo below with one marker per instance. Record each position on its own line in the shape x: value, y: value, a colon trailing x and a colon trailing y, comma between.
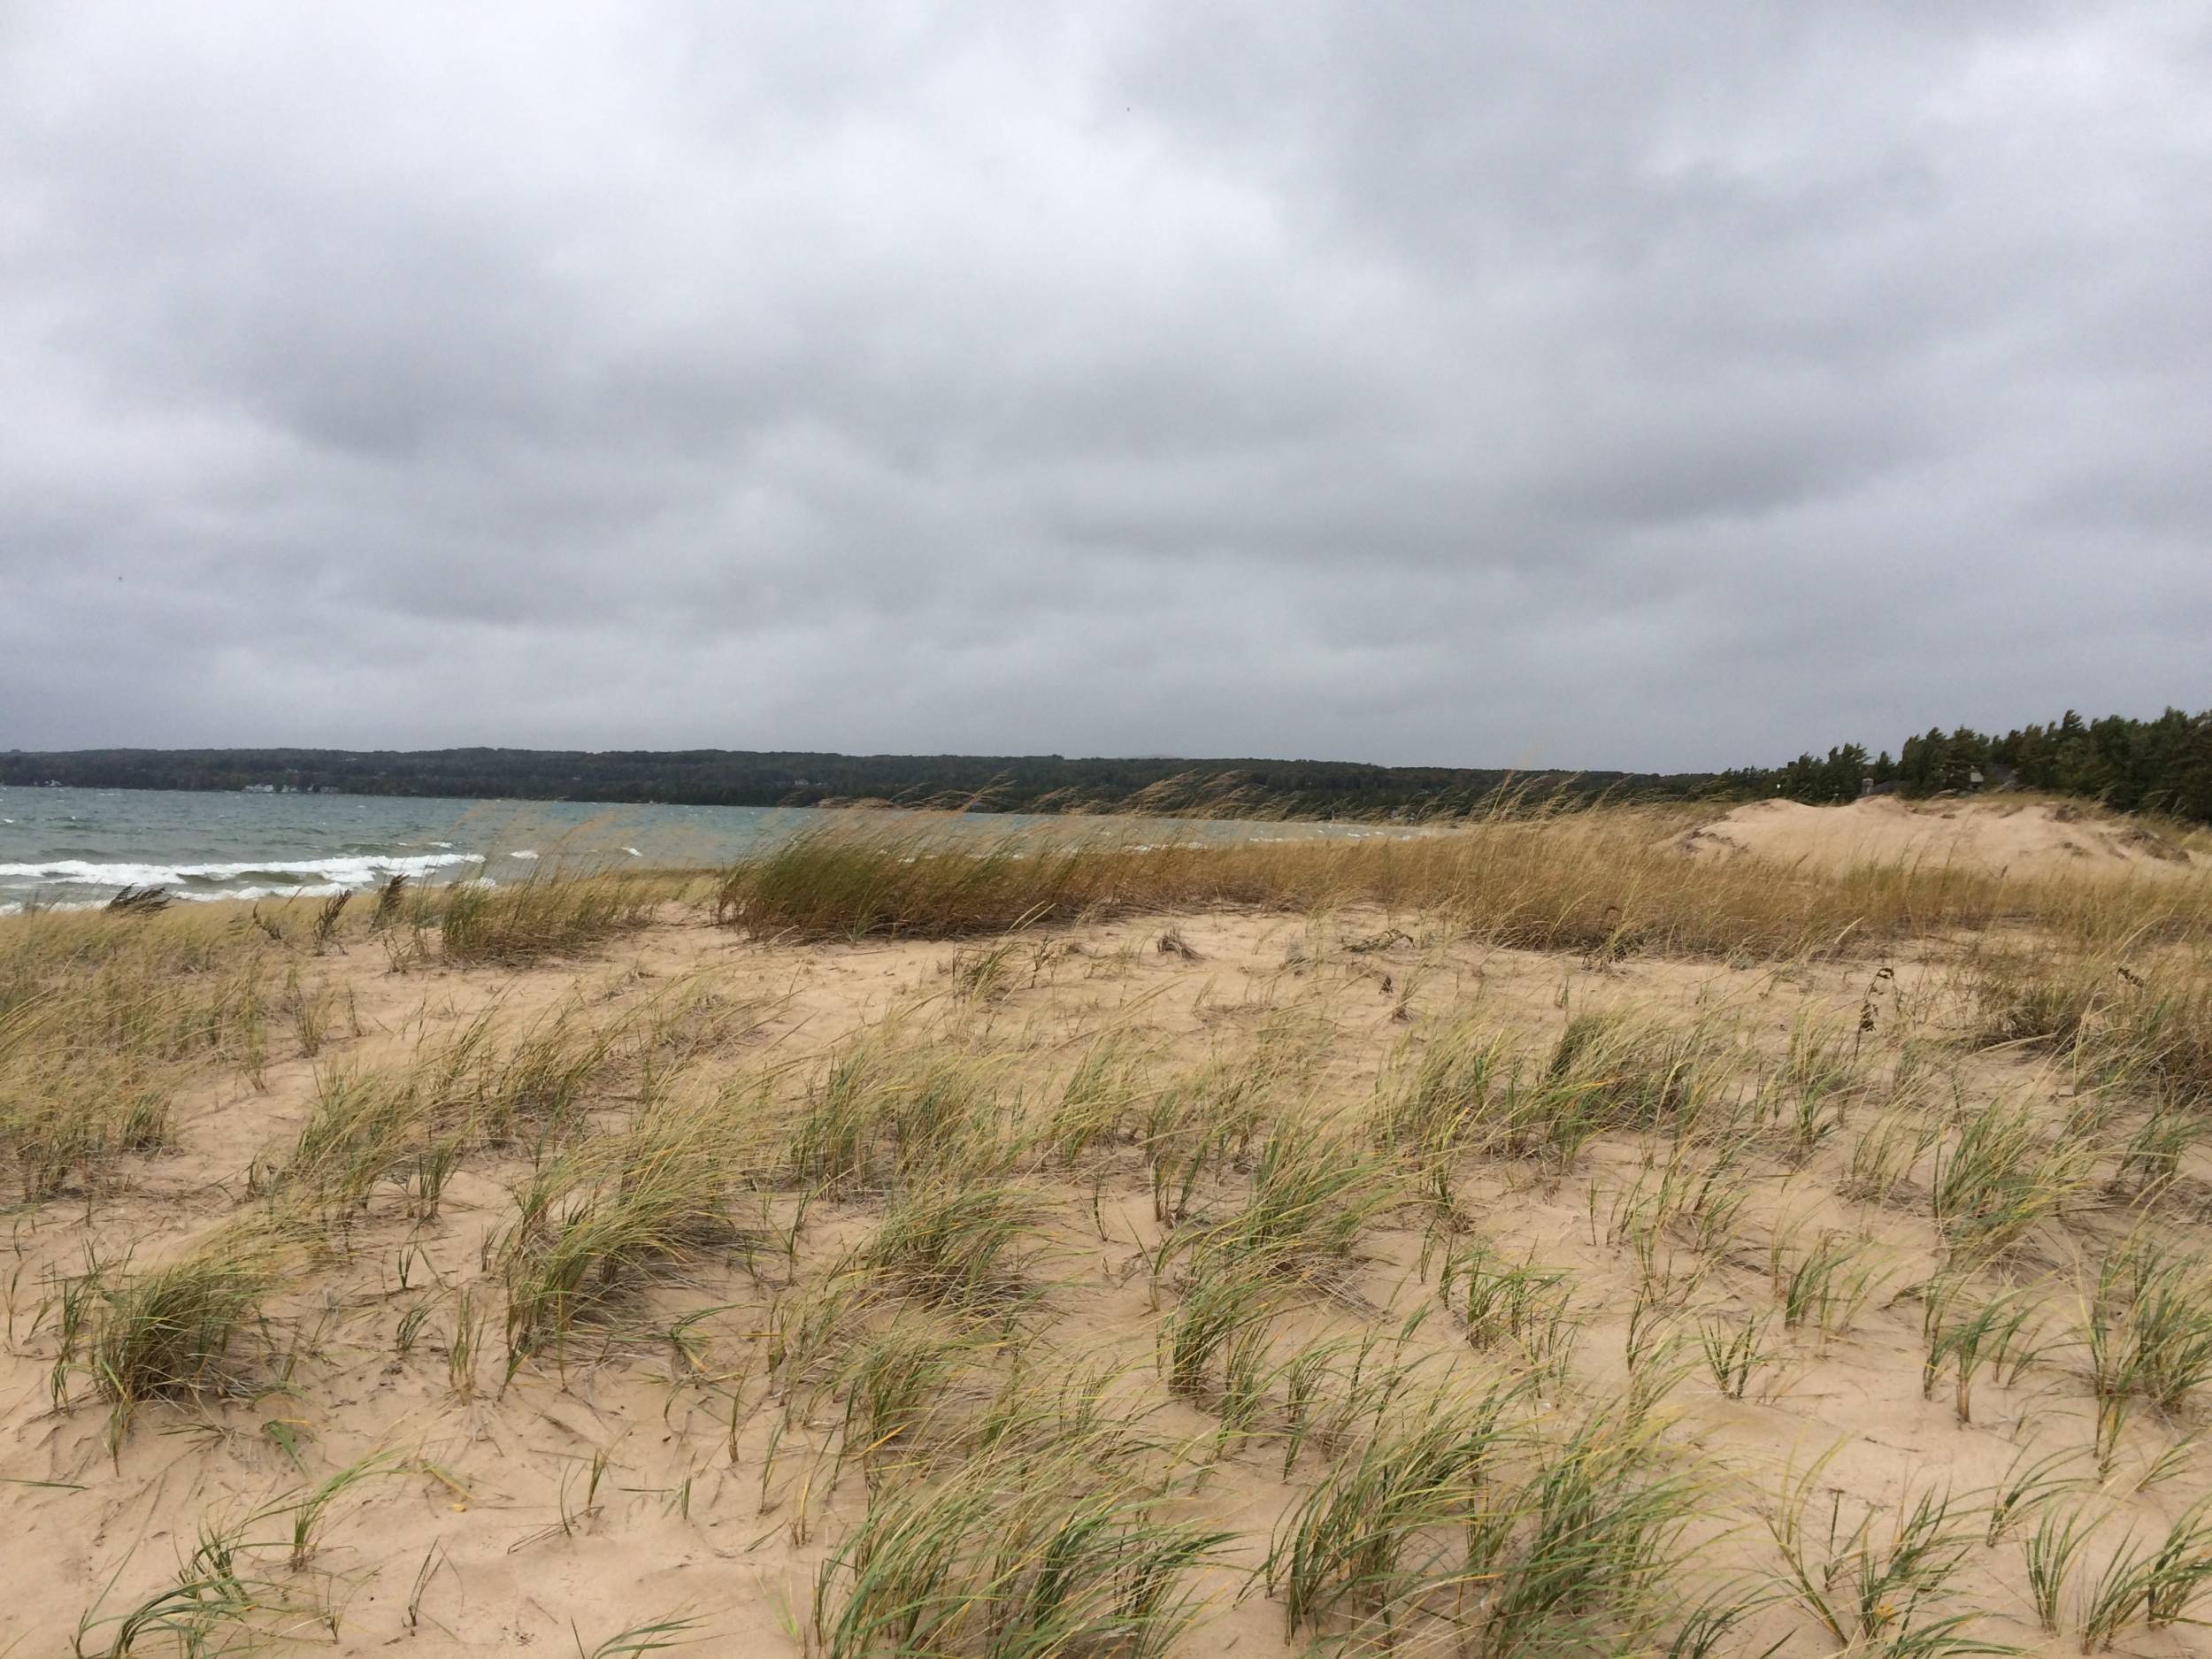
x: 1868, y: 787
x: 1991, y: 777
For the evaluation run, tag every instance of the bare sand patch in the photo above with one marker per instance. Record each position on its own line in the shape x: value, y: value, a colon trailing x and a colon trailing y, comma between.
x: 2022, y: 837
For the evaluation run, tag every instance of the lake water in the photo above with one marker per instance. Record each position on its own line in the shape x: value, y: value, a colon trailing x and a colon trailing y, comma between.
x: 79, y: 846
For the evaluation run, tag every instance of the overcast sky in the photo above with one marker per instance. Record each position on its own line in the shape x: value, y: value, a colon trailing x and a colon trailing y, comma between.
x: 1657, y: 386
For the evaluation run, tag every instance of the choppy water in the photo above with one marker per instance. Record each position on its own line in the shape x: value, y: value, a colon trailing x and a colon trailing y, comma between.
x: 78, y: 845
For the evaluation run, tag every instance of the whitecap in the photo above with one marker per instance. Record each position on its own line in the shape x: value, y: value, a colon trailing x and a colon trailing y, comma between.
x: 523, y: 853
x: 310, y: 890
x: 359, y: 872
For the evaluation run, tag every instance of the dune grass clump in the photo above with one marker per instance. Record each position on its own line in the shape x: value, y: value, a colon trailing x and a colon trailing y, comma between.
x: 2000, y: 1173
x: 1611, y: 1072
x: 533, y: 1088
x: 1585, y: 1556
x: 1999, y: 1333
x: 550, y: 915
x: 1880, y: 1580
x: 1456, y: 1091
x: 1214, y: 1342
x: 2042, y: 1004
x: 171, y: 1332
x: 2155, y: 1035
x: 1806, y: 1100
x: 1396, y: 1519
x: 955, y: 1248
x: 1314, y: 1187
x: 1098, y: 1102
x: 228, y: 1596
x: 2157, y: 1587
x: 413, y: 1121
x: 104, y: 1020
x: 1201, y: 1121
x: 363, y: 1125
x: 890, y: 1108
x: 67, y: 1114
x: 1456, y: 1525
x: 1014, y: 1554
x: 910, y: 1392
x: 2146, y: 1333
x: 599, y: 1218
x: 2148, y: 1028
x: 1497, y: 1299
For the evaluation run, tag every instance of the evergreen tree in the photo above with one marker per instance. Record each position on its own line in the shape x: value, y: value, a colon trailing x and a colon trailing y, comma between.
x: 2163, y: 764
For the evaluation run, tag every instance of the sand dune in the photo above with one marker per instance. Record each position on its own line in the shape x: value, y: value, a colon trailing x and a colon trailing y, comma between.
x: 1420, y: 1166
x: 2029, y: 837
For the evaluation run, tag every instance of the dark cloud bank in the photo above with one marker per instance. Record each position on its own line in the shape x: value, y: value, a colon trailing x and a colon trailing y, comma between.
x: 1586, y: 385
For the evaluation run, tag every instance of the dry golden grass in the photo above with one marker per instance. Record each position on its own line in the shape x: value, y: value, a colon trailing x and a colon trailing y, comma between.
x: 1608, y: 880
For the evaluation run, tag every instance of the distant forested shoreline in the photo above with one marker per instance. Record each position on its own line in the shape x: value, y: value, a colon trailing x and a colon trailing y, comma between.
x: 2162, y: 765
x: 1010, y: 783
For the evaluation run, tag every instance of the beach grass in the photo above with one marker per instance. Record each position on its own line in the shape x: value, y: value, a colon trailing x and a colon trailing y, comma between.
x: 1522, y: 1238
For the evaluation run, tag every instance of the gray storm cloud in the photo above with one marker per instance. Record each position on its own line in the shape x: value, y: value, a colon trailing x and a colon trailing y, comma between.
x: 1594, y: 386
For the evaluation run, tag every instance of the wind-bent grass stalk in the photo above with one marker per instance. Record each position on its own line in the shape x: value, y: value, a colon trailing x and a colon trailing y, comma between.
x: 1015, y: 1552
x: 169, y: 1331
x: 549, y: 915
x: 2000, y: 1175
x: 957, y: 1248
x: 673, y: 1631
x: 1871, y: 1580
x: 1734, y: 1352
x: 2029, y: 1483
x: 2049, y: 1554
x: 658, y: 1193
x: 1999, y: 1333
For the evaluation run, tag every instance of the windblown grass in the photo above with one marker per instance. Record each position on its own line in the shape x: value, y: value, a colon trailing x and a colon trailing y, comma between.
x: 892, y: 1107
x: 1609, y: 880
x: 103, y: 1020
x: 549, y: 915
x: 1879, y: 1583
x: 596, y: 1220
x: 960, y: 1247
x: 1054, y: 1311
x: 1013, y: 1554
x: 2146, y: 1026
x: 416, y: 1119
x: 171, y: 1332
x: 1457, y: 1519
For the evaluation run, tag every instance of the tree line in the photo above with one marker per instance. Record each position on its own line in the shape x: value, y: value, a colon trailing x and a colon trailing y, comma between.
x: 1016, y: 783
x: 2159, y: 765
x: 2162, y: 765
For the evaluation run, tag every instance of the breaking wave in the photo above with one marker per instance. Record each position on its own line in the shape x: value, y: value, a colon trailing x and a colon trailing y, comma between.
x: 254, y: 879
